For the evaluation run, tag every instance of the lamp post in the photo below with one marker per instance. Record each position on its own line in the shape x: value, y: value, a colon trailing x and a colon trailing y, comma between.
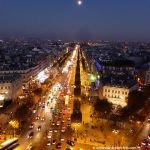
x: 115, y: 133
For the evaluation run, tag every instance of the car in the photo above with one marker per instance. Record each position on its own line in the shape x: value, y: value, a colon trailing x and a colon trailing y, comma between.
x: 39, y: 103
x: 68, y: 125
x: 63, y: 129
x: 43, y: 106
x: 139, y: 146
x: 30, y: 135
x: 63, y: 121
x: 55, y: 130
x: 58, y: 145
x: 68, y: 118
x: 53, y: 141
x: 39, y: 128
x: 53, y: 123
x: 144, y: 142
x: 34, y: 111
x: 43, y: 118
x: 31, y: 126
x: 71, y: 143
x: 49, y: 135
x: 62, y: 139
x: 50, y: 131
x: 58, y: 123
x: 48, y: 143
x: 37, y: 118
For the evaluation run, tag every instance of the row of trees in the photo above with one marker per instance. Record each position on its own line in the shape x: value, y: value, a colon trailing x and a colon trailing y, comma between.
x: 137, y: 102
x: 102, y: 107
x: 76, y: 116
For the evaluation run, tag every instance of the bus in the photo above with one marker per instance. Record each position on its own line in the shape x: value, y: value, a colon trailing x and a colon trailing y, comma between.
x: 1, y: 100
x: 9, y: 144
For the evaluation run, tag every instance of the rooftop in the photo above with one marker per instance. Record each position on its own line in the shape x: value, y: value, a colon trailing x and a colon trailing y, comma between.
x: 126, y: 81
x: 9, y: 78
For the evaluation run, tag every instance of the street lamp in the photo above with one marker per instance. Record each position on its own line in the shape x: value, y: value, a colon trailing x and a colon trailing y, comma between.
x: 115, y: 133
x: 92, y: 78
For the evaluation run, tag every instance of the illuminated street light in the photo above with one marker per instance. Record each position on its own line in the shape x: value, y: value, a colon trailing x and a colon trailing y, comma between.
x: 98, y: 76
x: 92, y: 78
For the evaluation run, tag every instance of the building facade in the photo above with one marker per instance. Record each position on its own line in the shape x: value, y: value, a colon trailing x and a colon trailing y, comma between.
x: 147, y: 77
x: 10, y: 87
x: 116, y: 95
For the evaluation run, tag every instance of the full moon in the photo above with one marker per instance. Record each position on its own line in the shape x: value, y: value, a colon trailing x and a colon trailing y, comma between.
x: 79, y: 2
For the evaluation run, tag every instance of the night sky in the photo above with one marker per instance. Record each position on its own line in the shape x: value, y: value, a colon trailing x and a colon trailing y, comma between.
x: 64, y: 19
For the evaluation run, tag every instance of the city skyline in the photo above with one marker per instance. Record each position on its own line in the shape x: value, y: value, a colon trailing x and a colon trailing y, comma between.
x: 96, y: 20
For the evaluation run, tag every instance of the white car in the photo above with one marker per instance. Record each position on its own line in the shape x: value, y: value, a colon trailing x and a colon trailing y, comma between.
x: 69, y: 119
x: 31, y: 126
x: 51, y: 130
x: 62, y: 139
x: 58, y: 123
x: 63, y: 129
x: 39, y: 128
x: 37, y: 118
x: 49, y: 143
x: 42, y: 119
x: 49, y: 136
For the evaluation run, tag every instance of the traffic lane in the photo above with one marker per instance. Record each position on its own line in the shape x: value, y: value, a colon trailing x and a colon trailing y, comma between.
x: 39, y: 114
x: 58, y: 134
x: 38, y: 136
x: 23, y: 139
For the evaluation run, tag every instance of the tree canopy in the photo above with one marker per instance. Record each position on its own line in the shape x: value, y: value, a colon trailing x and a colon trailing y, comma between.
x: 103, y: 106
x: 136, y: 100
x: 22, y: 112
